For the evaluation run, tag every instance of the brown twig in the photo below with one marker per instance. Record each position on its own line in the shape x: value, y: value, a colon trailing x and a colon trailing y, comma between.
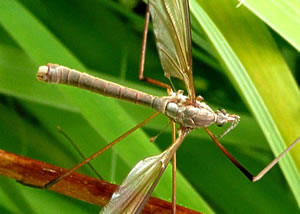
x: 36, y: 173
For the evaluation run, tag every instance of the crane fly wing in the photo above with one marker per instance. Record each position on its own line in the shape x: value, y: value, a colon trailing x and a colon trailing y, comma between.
x: 171, y: 25
x: 132, y: 194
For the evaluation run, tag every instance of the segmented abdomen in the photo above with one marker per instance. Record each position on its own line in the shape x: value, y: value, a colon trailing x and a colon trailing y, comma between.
x: 62, y: 75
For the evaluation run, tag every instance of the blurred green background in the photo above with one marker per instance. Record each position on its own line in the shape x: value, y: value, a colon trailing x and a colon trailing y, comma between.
x: 240, y: 63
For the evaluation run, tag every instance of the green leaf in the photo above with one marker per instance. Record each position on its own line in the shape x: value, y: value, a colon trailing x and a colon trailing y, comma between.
x: 258, y: 70
x: 281, y: 15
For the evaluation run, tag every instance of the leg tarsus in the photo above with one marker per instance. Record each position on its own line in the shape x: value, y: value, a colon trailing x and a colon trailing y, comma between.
x: 242, y: 168
x: 173, y: 170
x: 144, y: 44
x: 143, y: 55
x: 61, y: 131
x: 30, y: 185
x: 96, y: 154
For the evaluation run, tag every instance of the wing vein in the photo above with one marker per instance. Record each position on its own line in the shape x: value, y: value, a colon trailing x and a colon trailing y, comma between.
x: 171, y: 25
x: 176, y: 35
x: 170, y: 58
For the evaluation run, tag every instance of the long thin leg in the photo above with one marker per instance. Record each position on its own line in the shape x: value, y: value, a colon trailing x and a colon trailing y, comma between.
x: 59, y: 129
x: 169, y: 89
x: 173, y: 170
x: 143, y: 55
x: 182, y: 133
x: 243, y: 169
x: 52, y: 182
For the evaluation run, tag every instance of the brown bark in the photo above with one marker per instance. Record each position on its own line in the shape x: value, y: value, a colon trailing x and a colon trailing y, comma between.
x: 36, y: 173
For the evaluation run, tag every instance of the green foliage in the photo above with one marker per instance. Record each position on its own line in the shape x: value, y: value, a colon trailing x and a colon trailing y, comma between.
x: 240, y: 64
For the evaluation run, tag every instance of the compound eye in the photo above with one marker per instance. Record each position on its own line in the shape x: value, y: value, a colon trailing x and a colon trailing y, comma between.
x: 223, y: 111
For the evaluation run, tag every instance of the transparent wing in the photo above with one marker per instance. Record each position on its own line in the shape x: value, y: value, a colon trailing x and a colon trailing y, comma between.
x: 171, y: 24
x: 135, y: 190
x: 130, y: 194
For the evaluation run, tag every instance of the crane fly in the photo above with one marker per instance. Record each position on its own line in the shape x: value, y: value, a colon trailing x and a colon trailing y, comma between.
x: 171, y: 25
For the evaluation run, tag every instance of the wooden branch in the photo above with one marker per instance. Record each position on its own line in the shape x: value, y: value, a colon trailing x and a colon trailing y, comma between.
x: 36, y: 173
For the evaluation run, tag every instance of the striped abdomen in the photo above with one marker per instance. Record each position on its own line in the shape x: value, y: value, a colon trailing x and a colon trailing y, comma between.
x: 63, y: 75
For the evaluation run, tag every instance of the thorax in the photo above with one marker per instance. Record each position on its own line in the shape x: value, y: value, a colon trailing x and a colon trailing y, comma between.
x: 188, y: 114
